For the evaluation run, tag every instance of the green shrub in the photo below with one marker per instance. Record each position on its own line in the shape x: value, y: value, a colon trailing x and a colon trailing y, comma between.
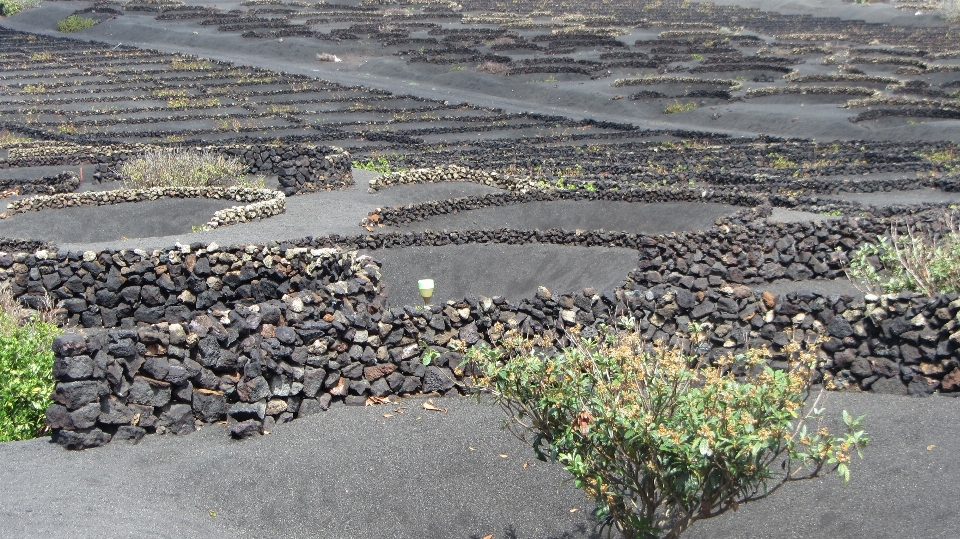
x: 177, y: 167
x: 75, y: 23
x: 379, y: 163
x: 677, y: 106
x: 26, y: 369
x: 921, y: 261
x: 658, y: 438
x: 10, y: 7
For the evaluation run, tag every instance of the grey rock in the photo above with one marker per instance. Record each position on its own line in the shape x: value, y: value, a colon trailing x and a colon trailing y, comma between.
x: 129, y: 433
x: 73, y: 395
x: 246, y: 429
x: 889, y: 386
x: 78, y: 367
x: 248, y: 410
x: 149, y: 392
x: 839, y: 327
x: 437, y: 379
x: 209, y: 406
x: 178, y: 419
x: 77, y: 439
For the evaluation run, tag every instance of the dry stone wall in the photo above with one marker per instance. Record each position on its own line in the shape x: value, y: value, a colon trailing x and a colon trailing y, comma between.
x: 300, y: 167
x: 262, y: 334
x: 256, y: 203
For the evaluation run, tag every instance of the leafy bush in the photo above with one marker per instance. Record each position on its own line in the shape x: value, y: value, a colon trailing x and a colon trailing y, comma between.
x: 677, y: 106
x: 10, y: 7
x: 177, y: 167
x: 378, y: 163
x: 921, y: 261
x: 75, y: 23
x: 659, y: 438
x: 26, y: 368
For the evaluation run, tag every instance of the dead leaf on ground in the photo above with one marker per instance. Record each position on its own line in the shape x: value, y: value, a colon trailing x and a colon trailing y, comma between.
x: 400, y: 410
x: 488, y: 536
x: 574, y: 509
x: 429, y: 405
x: 373, y: 401
x: 387, y: 415
x: 504, y: 456
x: 471, y: 448
x: 526, y: 465
x: 930, y: 447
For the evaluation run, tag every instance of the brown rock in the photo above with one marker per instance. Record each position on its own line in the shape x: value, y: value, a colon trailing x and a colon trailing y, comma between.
x: 931, y: 369
x: 268, y: 331
x: 377, y: 372
x: 341, y: 389
x: 769, y: 300
x: 276, y: 406
x: 951, y: 382
x: 742, y: 291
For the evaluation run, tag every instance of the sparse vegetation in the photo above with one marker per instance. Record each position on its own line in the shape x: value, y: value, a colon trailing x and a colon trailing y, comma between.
x: 75, y: 23
x: 186, y: 64
x: 8, y: 138
x: 921, y: 260
x: 11, y: 7
x: 26, y: 367
x: 677, y: 106
x: 379, y: 163
x: 493, y: 68
x: 659, y: 438
x: 177, y: 167
x: 41, y: 56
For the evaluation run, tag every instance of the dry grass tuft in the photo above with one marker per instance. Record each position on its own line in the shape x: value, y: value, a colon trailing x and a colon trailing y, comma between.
x: 493, y: 68
x: 178, y: 167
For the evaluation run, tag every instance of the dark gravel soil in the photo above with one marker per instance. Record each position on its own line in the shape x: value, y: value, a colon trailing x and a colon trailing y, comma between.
x: 161, y: 217
x: 354, y: 473
x: 658, y: 218
x: 513, y: 271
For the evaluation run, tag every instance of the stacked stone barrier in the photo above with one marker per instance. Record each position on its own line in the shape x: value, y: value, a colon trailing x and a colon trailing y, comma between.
x: 65, y: 182
x: 258, y: 203
x: 262, y: 360
x: 301, y: 167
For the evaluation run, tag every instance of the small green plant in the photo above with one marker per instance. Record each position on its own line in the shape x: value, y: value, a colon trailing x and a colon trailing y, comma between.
x: 378, y: 163
x: 780, y: 161
x: 658, y: 438
x: 429, y: 354
x: 185, y: 64
x: 696, y: 56
x: 832, y: 213
x: 457, y: 68
x: 177, y: 167
x: 921, y: 261
x: 75, y: 23
x: 677, y: 106
x: 550, y: 78
x: 9, y: 138
x: 11, y: 7
x: 34, y: 89
x: 26, y: 367
x: 44, y: 56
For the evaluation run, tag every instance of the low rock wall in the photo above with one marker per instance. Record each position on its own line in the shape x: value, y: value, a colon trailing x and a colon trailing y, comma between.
x: 256, y: 362
x: 300, y: 167
x: 259, y: 203
x: 66, y: 182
